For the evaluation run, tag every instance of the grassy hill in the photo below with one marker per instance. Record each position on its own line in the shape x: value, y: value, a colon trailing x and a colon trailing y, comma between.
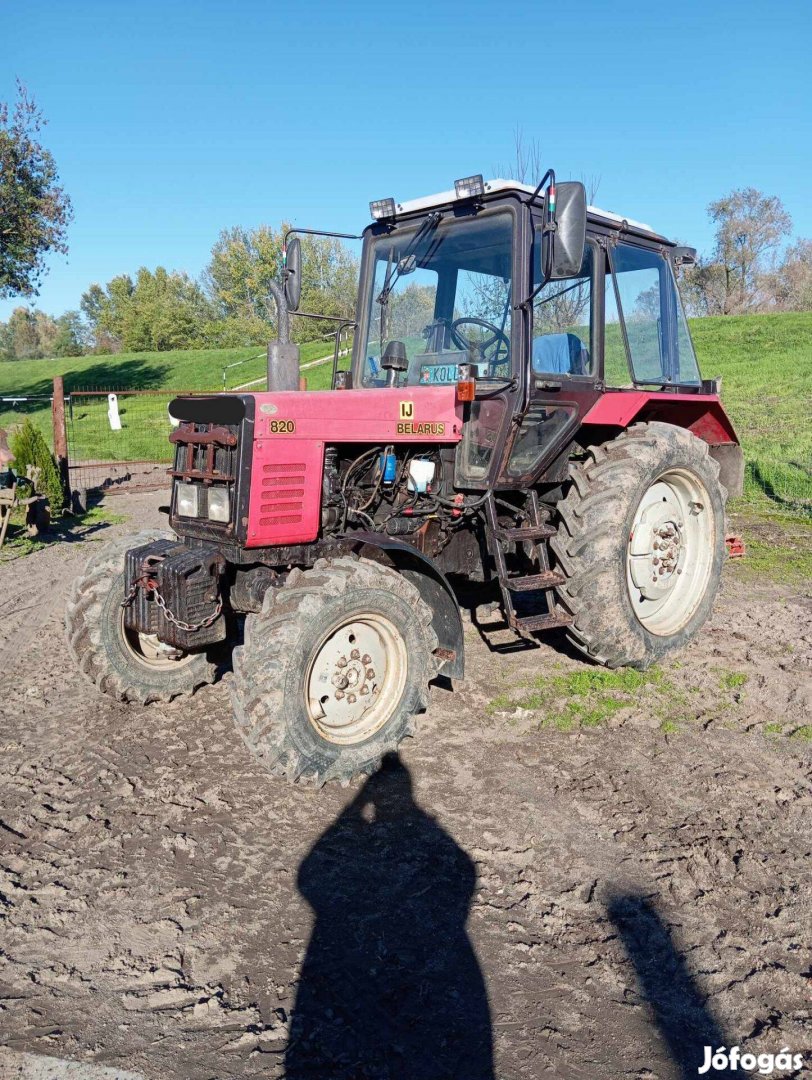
x: 198, y: 369
x: 766, y: 366
x: 765, y: 362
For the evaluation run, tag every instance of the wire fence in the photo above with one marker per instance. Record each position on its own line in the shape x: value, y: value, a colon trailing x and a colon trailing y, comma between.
x: 15, y: 409
x: 113, y: 434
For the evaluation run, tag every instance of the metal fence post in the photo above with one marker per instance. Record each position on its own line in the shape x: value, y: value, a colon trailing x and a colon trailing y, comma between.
x: 61, y: 435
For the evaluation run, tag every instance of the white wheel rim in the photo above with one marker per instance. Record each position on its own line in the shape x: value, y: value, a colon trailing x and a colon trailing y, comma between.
x: 670, y: 552
x: 356, y: 679
x: 147, y: 650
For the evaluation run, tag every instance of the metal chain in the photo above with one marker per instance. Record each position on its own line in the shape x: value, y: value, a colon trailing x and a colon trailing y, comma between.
x: 152, y: 586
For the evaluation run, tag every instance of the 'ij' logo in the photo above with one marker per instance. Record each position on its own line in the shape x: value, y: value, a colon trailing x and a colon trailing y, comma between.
x: 406, y: 410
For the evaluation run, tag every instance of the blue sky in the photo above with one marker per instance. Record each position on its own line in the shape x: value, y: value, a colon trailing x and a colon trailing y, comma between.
x: 170, y: 121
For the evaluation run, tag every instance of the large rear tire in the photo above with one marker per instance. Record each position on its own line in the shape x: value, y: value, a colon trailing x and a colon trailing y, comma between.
x: 641, y: 540
x: 333, y: 670
x: 119, y: 662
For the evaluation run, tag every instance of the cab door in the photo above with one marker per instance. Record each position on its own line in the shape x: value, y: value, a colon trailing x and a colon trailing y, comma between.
x: 564, y: 371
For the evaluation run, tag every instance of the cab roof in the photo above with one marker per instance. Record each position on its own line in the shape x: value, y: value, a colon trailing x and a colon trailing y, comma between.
x: 492, y: 187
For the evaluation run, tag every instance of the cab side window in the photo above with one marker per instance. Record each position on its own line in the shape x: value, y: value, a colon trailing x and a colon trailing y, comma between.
x: 642, y: 299
x: 562, y: 323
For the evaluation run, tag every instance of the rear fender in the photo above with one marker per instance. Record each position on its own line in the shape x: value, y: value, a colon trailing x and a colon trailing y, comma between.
x: 701, y: 414
x: 433, y: 587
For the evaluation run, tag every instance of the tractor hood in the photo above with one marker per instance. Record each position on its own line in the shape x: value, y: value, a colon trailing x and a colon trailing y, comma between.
x: 292, y: 428
x: 392, y: 415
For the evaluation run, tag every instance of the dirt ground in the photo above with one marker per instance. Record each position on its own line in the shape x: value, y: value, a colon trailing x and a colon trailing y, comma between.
x: 534, y: 889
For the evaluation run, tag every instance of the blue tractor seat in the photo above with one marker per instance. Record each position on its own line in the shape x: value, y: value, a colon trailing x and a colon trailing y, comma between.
x: 559, y: 354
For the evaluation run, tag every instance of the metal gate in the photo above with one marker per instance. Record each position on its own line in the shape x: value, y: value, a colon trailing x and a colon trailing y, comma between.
x: 118, y: 435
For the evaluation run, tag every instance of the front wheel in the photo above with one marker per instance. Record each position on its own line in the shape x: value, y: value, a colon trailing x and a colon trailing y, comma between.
x: 641, y: 542
x: 333, y: 670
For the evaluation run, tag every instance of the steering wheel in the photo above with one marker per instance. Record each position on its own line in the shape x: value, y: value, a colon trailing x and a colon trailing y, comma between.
x: 497, y: 337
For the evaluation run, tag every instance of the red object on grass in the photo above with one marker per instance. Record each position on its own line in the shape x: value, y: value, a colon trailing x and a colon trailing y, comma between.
x: 735, y: 547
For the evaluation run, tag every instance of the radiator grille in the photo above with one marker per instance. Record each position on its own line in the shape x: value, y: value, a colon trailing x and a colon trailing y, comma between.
x: 283, y: 488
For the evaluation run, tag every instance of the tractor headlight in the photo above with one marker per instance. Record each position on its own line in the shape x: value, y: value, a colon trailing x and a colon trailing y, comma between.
x: 187, y: 500
x: 219, y: 504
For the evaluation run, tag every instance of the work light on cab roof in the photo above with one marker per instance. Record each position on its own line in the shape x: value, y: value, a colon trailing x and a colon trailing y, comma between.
x: 521, y: 415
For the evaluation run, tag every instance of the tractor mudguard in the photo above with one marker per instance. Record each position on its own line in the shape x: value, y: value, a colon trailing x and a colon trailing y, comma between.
x: 701, y: 414
x: 433, y: 587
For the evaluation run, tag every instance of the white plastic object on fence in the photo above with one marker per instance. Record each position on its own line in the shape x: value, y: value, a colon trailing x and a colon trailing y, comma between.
x: 112, y: 412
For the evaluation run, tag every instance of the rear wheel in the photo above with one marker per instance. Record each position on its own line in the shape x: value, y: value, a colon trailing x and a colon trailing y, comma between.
x: 641, y: 542
x: 119, y: 661
x: 333, y: 670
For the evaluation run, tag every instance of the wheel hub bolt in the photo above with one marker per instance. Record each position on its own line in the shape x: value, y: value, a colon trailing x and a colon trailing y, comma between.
x: 341, y: 662
x: 339, y: 694
x: 364, y: 690
x: 366, y: 659
x: 351, y: 698
x: 370, y: 673
x: 355, y: 655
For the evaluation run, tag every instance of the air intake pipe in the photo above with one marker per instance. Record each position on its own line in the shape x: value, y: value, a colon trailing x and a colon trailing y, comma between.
x: 283, y: 357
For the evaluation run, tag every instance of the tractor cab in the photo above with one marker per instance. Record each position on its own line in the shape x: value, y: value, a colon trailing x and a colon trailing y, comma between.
x: 540, y: 301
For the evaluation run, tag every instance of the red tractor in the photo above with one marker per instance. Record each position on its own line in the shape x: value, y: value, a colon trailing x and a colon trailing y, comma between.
x: 523, y: 408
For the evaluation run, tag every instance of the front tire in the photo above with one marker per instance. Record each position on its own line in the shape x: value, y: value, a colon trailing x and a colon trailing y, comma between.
x: 121, y: 663
x: 334, y: 670
x: 641, y: 541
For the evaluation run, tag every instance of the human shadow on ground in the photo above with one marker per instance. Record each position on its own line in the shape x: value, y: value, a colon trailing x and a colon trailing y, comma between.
x: 683, y: 1018
x: 390, y: 988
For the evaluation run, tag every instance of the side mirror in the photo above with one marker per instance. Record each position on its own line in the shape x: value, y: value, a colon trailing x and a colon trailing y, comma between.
x: 569, y: 236
x: 293, y: 274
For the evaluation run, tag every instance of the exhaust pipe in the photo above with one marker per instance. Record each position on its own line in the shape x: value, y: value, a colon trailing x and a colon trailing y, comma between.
x: 283, y: 357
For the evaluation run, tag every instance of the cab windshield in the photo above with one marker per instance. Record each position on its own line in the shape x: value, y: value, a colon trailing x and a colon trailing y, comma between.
x: 442, y: 288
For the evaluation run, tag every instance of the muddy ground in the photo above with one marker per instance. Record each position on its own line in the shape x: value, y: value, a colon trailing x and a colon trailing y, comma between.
x: 632, y: 858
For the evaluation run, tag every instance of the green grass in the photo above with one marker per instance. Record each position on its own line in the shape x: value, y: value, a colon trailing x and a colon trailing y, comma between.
x: 778, y: 546
x: 194, y: 369
x: 766, y: 366
x: 579, y: 699
x: 732, y: 680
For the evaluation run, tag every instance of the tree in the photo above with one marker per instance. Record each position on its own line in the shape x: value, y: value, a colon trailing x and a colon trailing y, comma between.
x: 31, y: 455
x: 410, y: 311
x: 30, y: 334
x: 34, y: 209
x: 71, y: 337
x: 749, y: 228
x: 703, y: 287
x: 160, y: 310
x: 22, y: 334
x: 243, y: 261
x: 790, y: 285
